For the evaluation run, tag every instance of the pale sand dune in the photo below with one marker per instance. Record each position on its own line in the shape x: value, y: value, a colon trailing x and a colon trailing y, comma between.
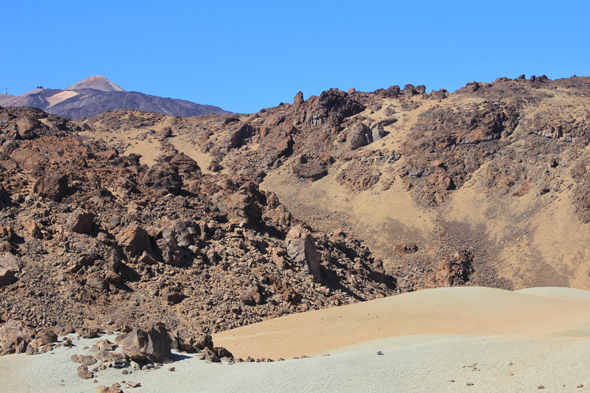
x: 567, y: 293
x: 464, y: 310
x: 496, y: 340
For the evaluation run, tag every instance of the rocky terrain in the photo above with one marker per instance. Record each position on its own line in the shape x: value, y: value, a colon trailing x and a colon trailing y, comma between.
x: 91, y: 238
x: 207, y: 223
x: 96, y: 94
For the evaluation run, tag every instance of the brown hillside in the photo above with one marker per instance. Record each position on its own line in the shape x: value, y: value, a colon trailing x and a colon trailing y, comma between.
x: 218, y: 221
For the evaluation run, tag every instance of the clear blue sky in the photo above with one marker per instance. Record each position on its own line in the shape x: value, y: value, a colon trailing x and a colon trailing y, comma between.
x: 248, y: 55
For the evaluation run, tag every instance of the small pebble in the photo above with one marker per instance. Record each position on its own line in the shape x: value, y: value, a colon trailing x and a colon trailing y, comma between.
x: 172, y: 369
x: 541, y: 387
x: 451, y: 380
x: 379, y: 353
x: 580, y: 386
x: 469, y: 383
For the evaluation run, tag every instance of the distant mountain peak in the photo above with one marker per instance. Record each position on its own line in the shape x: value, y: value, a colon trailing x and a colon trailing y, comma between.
x: 97, y: 82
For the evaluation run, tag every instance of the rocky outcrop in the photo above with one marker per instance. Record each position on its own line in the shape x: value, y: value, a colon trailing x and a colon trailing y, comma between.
x: 301, y: 248
x: 53, y: 186
x: 454, y: 270
x: 154, y: 345
x: 359, y: 135
x: 312, y: 167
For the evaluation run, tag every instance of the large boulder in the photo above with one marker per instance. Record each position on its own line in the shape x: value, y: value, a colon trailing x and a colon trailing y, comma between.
x: 155, y: 344
x: 301, y: 248
x: 378, y: 132
x: 15, y: 336
x: 134, y: 240
x: 359, y: 135
x: 278, y: 140
x: 237, y: 134
x: 239, y: 206
x: 53, y: 186
x: 185, y: 164
x: 80, y: 222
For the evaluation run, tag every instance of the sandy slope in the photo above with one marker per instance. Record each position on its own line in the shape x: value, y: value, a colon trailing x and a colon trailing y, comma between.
x: 432, y: 341
x: 463, y: 310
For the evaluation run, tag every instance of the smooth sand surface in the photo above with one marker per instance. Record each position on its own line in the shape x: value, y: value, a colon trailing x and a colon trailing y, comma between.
x: 567, y: 293
x: 436, y: 340
x: 460, y: 310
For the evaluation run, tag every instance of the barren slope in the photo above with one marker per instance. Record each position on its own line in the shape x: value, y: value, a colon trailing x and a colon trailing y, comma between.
x: 485, y: 185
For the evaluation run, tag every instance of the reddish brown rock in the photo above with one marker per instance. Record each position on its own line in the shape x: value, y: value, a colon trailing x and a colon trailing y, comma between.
x: 312, y: 168
x: 134, y: 240
x: 237, y: 134
x: 359, y: 135
x: 85, y: 360
x: 301, y: 248
x: 154, y: 344
x: 80, y: 222
x: 84, y: 373
x: 134, y: 354
x: 53, y: 186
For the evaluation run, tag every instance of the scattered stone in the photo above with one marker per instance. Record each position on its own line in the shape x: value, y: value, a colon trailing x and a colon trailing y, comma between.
x: 84, y: 373
x: 132, y: 384
x: 379, y: 353
x: 85, y: 360
x: 108, y: 389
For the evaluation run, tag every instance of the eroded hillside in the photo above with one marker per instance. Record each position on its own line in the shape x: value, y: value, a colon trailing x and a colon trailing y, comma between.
x: 486, y: 185
x: 217, y: 221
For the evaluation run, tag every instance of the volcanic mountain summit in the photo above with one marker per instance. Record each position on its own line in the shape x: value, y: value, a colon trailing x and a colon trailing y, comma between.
x: 96, y: 94
x: 97, y: 82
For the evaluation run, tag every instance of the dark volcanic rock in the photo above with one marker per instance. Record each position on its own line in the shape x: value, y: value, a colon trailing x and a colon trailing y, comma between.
x: 53, y: 186
x: 80, y: 222
x: 154, y: 344
x: 134, y: 240
x: 301, y: 247
x: 163, y: 176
